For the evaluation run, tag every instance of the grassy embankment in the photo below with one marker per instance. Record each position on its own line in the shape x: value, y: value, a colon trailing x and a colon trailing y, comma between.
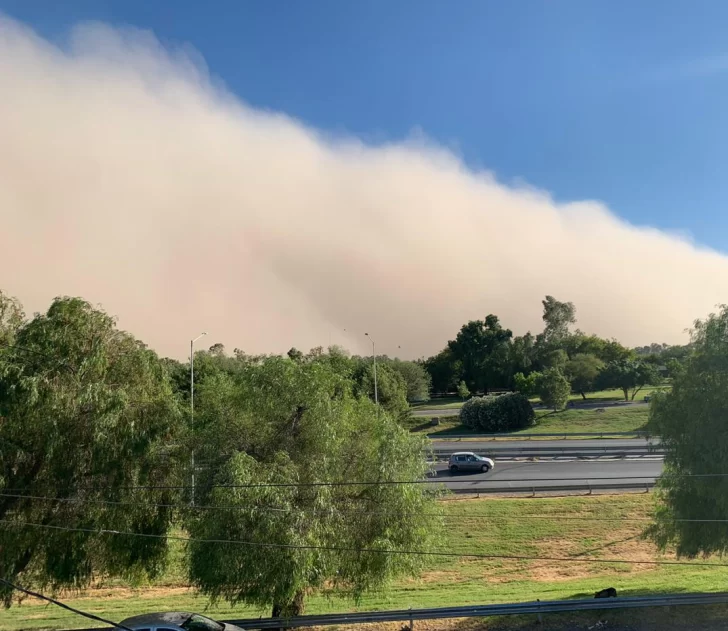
x: 494, y: 526
x: 452, y: 404
x: 615, y: 419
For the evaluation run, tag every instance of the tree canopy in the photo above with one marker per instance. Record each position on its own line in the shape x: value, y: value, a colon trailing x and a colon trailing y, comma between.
x: 86, y: 412
x: 481, y: 346
x: 553, y: 388
x: 691, y: 422
x: 629, y: 376
x: 582, y: 370
x: 283, y: 423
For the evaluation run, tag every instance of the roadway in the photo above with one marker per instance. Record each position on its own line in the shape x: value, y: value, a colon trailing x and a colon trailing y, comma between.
x: 523, y: 475
x: 482, y: 447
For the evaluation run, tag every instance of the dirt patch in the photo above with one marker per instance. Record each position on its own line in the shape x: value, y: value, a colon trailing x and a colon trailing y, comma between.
x: 623, y: 545
x: 111, y: 593
x: 439, y: 576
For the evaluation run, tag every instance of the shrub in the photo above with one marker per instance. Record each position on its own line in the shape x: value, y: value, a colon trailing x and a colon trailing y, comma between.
x: 463, y: 391
x: 505, y: 413
x: 526, y: 384
x: 554, y: 389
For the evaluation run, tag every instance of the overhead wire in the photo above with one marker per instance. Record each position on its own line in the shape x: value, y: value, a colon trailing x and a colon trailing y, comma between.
x: 348, y: 510
x: 266, y: 485
x: 58, y: 603
x: 427, y: 553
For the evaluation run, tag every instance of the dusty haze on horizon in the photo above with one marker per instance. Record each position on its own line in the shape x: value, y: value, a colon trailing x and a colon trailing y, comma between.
x: 132, y: 179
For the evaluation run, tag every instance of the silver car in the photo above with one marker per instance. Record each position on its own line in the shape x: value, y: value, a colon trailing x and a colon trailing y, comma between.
x: 468, y: 461
x: 175, y: 621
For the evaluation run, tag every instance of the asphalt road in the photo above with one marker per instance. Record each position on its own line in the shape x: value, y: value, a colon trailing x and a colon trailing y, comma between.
x: 481, y: 447
x: 523, y: 475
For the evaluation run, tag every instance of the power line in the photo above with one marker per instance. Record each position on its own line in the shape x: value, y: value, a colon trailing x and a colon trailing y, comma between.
x: 90, y: 616
x: 428, y: 553
x: 266, y: 485
x: 355, y: 511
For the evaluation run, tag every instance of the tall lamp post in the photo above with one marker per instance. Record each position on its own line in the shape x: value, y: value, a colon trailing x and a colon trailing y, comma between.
x: 192, y: 409
x: 374, y: 358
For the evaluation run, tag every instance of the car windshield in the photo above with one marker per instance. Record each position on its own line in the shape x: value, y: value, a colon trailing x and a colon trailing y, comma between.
x: 197, y: 622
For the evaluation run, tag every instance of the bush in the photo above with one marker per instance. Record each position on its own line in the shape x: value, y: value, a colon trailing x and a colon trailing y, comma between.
x: 554, y: 389
x: 527, y: 385
x: 463, y: 391
x: 505, y: 413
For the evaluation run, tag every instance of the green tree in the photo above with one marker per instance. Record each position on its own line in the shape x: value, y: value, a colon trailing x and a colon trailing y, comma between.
x: 522, y: 354
x: 299, y: 427
x: 86, y: 413
x: 553, y: 388
x: 463, y: 391
x: 556, y: 358
x: 391, y: 386
x: 527, y: 385
x: 691, y: 422
x: 629, y: 376
x: 614, y: 351
x: 417, y: 380
x: 445, y: 370
x: 582, y: 371
x: 482, y: 348
x: 12, y: 318
x: 557, y: 316
x: 674, y: 367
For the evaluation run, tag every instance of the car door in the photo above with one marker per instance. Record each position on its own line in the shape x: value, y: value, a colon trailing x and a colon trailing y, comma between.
x: 472, y: 463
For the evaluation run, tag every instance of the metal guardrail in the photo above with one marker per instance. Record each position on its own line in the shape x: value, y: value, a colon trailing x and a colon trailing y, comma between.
x: 528, y: 436
x: 534, y: 489
x: 477, y: 611
x: 482, y: 611
x: 526, y: 452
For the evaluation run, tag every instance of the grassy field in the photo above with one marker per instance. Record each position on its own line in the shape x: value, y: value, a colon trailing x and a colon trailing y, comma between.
x: 452, y: 404
x: 606, y: 396
x: 542, y: 527
x: 617, y: 419
x: 443, y: 403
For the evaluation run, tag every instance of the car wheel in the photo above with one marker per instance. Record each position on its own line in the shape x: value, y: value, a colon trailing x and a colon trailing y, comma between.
x: 485, y: 468
x: 454, y: 469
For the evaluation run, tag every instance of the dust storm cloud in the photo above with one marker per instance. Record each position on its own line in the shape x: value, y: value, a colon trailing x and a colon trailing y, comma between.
x: 129, y: 177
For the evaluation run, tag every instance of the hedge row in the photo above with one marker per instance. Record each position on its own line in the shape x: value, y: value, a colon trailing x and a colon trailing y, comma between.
x: 504, y: 413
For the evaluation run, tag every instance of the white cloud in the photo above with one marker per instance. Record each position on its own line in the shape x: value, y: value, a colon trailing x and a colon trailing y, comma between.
x: 129, y: 178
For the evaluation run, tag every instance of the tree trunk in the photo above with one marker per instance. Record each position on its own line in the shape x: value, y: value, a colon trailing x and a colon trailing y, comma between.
x: 583, y: 396
x: 291, y: 609
x: 626, y: 393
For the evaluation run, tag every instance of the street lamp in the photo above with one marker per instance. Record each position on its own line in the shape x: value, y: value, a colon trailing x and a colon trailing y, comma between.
x: 374, y: 358
x: 192, y: 409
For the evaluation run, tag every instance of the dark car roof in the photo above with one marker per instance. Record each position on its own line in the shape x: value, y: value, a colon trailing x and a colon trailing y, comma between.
x: 151, y: 619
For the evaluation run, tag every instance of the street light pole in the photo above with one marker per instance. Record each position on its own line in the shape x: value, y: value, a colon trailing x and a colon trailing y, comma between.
x: 192, y: 410
x: 374, y: 358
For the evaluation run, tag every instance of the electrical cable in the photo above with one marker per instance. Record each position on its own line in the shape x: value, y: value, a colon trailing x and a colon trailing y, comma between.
x: 85, y: 614
x: 428, y: 553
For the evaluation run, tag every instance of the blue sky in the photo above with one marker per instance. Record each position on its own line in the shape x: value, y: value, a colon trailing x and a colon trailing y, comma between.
x: 618, y: 101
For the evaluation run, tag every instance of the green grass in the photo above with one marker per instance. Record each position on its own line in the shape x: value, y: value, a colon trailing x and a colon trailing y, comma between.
x: 607, y: 396
x: 573, y: 421
x: 442, y: 403
x: 494, y: 526
x: 625, y: 419
x: 601, y: 396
